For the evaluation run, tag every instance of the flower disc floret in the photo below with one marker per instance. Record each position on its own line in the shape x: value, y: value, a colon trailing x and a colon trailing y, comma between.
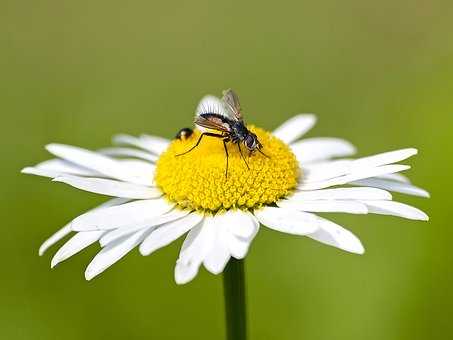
x: 197, y: 179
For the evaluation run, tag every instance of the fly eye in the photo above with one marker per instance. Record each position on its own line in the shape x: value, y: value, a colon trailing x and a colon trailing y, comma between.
x: 250, y: 142
x: 184, y: 133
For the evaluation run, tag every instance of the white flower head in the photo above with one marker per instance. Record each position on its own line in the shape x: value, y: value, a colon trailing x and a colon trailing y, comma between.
x: 159, y: 195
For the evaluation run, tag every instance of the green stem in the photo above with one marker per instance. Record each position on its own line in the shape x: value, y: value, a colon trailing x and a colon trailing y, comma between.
x: 234, y: 291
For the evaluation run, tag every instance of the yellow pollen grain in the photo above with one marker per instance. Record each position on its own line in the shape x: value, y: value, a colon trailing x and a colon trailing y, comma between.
x: 197, y: 179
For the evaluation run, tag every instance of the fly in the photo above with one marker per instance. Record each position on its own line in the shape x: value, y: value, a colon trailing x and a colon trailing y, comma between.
x: 226, y: 120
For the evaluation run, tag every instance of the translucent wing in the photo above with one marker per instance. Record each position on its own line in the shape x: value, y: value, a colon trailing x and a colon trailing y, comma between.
x: 231, y: 100
x: 212, y: 121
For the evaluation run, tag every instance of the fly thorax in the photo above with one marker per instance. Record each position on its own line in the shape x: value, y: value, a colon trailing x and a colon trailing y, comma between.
x: 240, y: 130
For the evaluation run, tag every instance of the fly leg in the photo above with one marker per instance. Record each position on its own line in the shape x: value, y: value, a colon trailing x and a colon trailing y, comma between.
x: 210, y: 134
x: 226, y: 153
x: 240, y: 151
x: 261, y: 152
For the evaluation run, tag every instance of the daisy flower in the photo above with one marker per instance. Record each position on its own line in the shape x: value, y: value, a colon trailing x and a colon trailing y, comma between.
x: 161, y: 192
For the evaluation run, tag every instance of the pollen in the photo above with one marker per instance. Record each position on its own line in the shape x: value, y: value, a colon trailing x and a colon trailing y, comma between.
x: 196, y: 180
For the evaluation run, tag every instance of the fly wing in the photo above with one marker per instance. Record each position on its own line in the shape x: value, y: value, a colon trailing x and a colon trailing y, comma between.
x: 231, y: 101
x: 212, y: 122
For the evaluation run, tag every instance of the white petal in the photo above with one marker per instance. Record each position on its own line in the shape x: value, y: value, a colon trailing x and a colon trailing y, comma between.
x: 196, y: 246
x: 60, y: 234
x: 237, y: 229
x: 396, y: 177
x: 65, y: 167
x: 359, y: 174
x: 210, y: 104
x: 239, y: 223
x: 219, y: 255
x: 351, y: 207
x: 128, y: 152
x: 41, y: 172
x: 110, y: 187
x: 185, y: 273
x: 140, y: 169
x: 396, y: 209
x: 334, y: 235
x: 384, y: 158
x: 75, y: 244
x: 153, y: 144
x: 316, y: 149
x: 113, y: 235
x: 237, y: 247
x: 132, y: 213
x: 113, y: 253
x: 328, y: 170
x: 287, y: 220
x: 95, y: 161
x: 295, y: 127
x: 123, y: 139
x: 342, y: 194
x: 112, y: 202
x: 169, y: 232
x: 192, y: 236
x: 401, y: 187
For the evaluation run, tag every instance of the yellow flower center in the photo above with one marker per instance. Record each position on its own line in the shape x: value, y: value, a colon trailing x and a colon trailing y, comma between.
x: 197, y: 179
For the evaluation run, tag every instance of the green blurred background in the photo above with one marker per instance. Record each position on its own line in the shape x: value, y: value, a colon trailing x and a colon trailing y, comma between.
x: 377, y: 73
